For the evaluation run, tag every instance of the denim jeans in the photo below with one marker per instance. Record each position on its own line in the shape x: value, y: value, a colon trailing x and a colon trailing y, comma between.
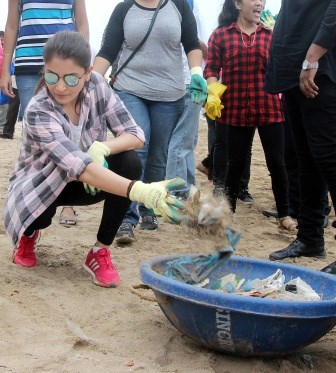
x: 313, y: 124
x: 26, y: 85
x: 181, y: 159
x: 158, y: 121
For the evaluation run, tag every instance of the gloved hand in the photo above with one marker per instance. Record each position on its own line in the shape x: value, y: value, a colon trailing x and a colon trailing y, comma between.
x: 213, y: 106
x: 198, y: 86
x: 97, y: 152
x: 267, y: 19
x: 156, y: 196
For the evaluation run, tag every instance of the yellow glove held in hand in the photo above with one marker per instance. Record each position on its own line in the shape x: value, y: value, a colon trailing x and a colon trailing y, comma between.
x: 213, y: 106
x: 97, y: 152
x: 156, y: 196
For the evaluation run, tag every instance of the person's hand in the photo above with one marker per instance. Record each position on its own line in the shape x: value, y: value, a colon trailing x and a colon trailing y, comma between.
x: 6, y: 85
x: 307, y: 84
x: 97, y: 152
x: 156, y: 196
x: 198, y: 87
x: 267, y: 19
x: 213, y: 106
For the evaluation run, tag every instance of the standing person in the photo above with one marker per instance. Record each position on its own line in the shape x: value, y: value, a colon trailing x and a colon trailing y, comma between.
x: 12, y: 112
x: 65, y: 158
x: 239, y: 50
x: 181, y: 158
x: 29, y: 25
x: 152, y: 84
x: 207, y: 20
x: 302, y: 65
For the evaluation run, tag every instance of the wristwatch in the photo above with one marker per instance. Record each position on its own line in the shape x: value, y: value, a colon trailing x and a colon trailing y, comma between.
x: 306, y: 65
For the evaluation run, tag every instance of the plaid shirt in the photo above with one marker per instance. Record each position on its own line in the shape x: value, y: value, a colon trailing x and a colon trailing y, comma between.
x: 246, y: 103
x: 49, y: 160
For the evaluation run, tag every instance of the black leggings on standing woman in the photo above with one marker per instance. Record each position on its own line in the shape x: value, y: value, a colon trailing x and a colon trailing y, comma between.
x: 239, y: 143
x: 126, y: 164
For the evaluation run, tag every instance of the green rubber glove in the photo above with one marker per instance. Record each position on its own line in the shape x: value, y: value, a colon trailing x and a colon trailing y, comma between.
x: 156, y: 196
x: 214, y: 106
x: 198, y: 86
x: 267, y: 19
x: 97, y: 152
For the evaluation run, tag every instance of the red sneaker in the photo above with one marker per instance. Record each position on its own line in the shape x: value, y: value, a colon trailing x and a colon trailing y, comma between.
x: 24, y: 255
x: 100, y: 266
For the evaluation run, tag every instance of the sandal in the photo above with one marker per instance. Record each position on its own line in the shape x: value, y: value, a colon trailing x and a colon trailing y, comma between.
x: 287, y: 224
x: 66, y: 220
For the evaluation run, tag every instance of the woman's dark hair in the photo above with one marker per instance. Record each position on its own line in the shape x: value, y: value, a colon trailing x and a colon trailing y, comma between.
x: 229, y: 14
x: 67, y: 45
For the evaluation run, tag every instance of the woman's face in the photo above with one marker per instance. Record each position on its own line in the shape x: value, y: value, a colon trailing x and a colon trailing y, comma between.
x: 60, y: 91
x: 250, y: 10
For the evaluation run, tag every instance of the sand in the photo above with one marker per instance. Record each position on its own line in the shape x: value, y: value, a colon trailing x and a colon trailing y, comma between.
x: 54, y: 319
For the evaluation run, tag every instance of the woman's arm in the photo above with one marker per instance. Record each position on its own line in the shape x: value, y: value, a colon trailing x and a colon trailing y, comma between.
x: 194, y: 58
x: 123, y: 143
x: 101, y: 65
x: 102, y: 178
x: 11, y: 34
x: 81, y: 20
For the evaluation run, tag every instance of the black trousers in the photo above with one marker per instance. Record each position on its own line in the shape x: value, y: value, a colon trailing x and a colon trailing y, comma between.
x: 12, y: 114
x: 313, y: 124
x: 126, y: 164
x: 239, y: 144
x: 220, y: 159
x: 292, y: 167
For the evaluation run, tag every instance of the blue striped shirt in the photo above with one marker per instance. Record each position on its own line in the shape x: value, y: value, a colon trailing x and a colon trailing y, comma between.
x: 40, y: 19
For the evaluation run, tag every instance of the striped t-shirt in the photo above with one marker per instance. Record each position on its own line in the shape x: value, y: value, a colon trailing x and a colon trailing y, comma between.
x: 40, y: 20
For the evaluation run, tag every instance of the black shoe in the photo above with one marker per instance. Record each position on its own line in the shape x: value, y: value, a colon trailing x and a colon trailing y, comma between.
x: 331, y: 268
x: 245, y: 197
x: 125, y: 234
x: 149, y: 223
x: 296, y: 249
x: 8, y: 137
x: 270, y: 213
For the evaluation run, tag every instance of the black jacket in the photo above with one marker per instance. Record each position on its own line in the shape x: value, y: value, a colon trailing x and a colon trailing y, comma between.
x: 301, y: 23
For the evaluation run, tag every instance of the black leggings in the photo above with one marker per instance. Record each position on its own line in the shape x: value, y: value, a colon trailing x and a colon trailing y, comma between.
x: 126, y: 164
x: 239, y: 143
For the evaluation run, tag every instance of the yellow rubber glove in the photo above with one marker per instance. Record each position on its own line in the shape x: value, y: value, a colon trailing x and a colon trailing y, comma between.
x: 156, y: 196
x: 97, y: 152
x: 213, y: 106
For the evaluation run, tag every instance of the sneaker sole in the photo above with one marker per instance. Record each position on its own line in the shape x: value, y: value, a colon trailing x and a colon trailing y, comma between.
x: 95, y: 281
x: 245, y: 203
x: 148, y: 229
x: 124, y: 239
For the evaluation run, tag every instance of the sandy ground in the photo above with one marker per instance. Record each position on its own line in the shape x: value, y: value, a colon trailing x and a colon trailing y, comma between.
x: 54, y: 319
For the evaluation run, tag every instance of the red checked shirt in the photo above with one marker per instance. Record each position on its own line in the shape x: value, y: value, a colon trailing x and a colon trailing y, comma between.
x: 242, y: 69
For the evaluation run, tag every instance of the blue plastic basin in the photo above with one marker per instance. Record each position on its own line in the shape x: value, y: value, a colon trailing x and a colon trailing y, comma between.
x: 244, y: 325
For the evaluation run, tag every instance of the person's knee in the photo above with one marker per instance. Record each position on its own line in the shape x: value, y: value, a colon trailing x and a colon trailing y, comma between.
x: 126, y: 164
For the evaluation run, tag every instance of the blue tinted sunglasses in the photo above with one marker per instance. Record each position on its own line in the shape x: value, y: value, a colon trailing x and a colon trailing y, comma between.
x: 70, y: 80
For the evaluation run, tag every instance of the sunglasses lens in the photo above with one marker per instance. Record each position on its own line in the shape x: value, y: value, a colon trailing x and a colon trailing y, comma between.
x: 51, y: 78
x: 71, y: 80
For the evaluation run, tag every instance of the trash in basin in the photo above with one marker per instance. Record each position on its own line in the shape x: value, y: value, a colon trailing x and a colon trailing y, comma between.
x: 242, y: 325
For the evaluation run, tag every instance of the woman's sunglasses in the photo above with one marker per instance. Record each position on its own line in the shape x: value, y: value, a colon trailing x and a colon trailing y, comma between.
x: 69, y: 79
